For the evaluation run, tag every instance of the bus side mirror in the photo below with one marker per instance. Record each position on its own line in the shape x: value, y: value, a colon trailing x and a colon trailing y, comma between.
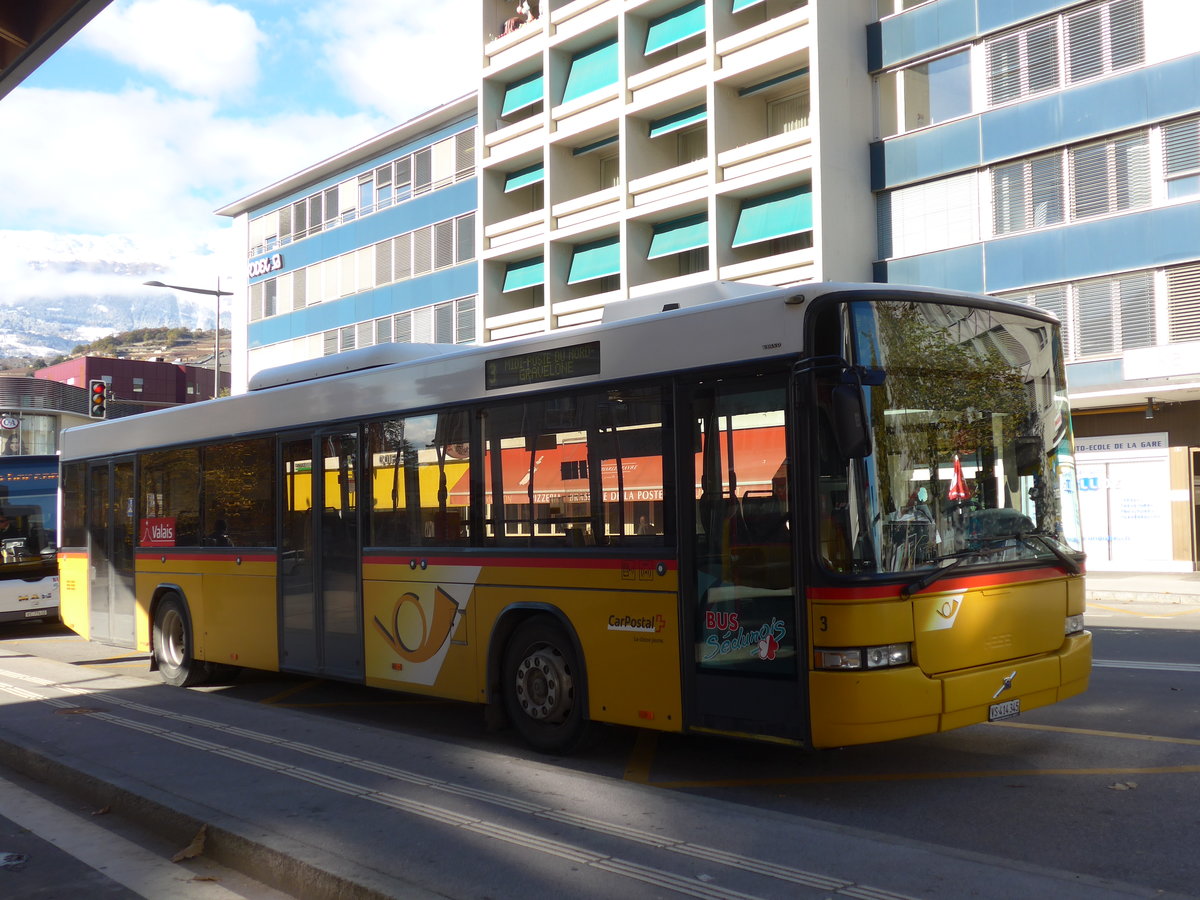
x: 850, y: 428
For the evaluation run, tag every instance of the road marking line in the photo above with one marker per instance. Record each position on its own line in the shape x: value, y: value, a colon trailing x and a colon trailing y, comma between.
x: 678, y: 883
x: 1147, y: 666
x: 126, y: 863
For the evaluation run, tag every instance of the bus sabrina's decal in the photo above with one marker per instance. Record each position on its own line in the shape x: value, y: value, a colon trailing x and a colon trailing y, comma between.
x: 823, y: 515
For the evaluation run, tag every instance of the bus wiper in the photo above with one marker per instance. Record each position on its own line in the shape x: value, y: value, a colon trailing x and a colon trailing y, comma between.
x: 1070, y: 563
x: 915, y: 587
x: 1030, y: 538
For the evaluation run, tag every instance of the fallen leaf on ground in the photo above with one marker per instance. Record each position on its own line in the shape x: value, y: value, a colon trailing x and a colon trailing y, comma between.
x: 195, y: 848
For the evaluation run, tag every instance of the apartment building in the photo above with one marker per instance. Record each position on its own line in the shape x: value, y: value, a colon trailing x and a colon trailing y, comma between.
x: 375, y: 245
x: 1049, y: 152
x: 630, y: 147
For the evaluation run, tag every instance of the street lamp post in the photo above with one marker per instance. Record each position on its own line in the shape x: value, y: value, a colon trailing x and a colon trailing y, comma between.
x: 218, y: 293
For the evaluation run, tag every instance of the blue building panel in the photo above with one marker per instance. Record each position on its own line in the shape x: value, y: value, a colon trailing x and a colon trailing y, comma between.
x: 948, y: 23
x: 1133, y: 100
x: 447, y: 284
x: 1096, y: 373
x: 926, y: 154
x: 410, y: 215
x: 959, y: 269
x: 1144, y: 240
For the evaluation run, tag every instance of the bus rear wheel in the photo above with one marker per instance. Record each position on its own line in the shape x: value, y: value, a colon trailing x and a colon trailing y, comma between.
x: 173, y: 644
x: 543, y: 687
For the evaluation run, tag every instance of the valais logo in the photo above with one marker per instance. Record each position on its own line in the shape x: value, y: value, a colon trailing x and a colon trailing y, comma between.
x: 159, y: 532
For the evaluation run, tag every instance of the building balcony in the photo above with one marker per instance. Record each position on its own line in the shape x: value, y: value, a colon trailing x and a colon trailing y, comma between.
x: 782, y: 268
x: 669, y: 183
x: 589, y: 111
x: 583, y: 310
x: 512, y: 140
x: 516, y: 324
x: 582, y: 16
x: 670, y: 79
x: 526, y: 228
x: 577, y: 210
x: 515, y: 46
x: 791, y: 148
x: 776, y: 38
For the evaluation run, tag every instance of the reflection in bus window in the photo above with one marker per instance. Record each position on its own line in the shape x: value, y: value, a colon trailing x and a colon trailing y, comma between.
x: 170, y: 497
x: 239, y: 494
x: 576, y: 471
x: 420, y: 478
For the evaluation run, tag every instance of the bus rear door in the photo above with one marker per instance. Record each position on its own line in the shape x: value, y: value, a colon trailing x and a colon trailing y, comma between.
x: 111, y: 521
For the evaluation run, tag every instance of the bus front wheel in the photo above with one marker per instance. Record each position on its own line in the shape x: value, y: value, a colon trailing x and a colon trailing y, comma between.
x: 173, y: 644
x: 543, y: 687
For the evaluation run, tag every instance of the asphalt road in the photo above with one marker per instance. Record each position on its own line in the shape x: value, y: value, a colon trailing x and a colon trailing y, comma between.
x: 1102, y: 785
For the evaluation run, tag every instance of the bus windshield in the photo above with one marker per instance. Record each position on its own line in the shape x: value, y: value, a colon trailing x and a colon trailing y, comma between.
x: 28, y: 508
x: 971, y: 459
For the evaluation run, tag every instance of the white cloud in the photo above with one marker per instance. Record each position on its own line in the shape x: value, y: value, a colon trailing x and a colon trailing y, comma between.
x: 203, y: 49
x: 400, y: 58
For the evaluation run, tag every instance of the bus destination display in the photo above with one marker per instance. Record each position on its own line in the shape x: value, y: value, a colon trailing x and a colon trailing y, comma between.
x: 575, y: 361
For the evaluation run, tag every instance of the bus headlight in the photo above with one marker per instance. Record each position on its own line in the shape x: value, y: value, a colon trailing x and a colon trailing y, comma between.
x: 881, y: 657
x: 1074, y: 624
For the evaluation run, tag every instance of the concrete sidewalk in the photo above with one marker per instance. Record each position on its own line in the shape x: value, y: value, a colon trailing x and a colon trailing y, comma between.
x: 1144, y: 587
x: 322, y: 808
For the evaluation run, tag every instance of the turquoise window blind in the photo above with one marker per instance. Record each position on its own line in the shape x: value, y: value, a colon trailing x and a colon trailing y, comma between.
x: 678, y: 236
x: 773, y: 216
x: 591, y: 70
x: 523, y: 274
x: 676, y: 26
x: 595, y: 260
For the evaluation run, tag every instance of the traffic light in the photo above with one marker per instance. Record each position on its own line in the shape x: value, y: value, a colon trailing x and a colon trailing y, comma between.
x: 97, y: 398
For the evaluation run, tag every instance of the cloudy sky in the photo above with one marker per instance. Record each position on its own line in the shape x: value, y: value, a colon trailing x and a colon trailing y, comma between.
x: 161, y: 111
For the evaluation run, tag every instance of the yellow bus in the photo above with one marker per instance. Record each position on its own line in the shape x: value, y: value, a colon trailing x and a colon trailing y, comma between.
x: 822, y: 515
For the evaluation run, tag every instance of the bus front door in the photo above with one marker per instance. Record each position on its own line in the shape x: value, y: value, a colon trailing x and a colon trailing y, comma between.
x: 747, y: 669
x: 111, y: 598
x: 320, y: 610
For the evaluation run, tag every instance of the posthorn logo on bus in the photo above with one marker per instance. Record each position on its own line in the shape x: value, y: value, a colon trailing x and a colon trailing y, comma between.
x: 645, y: 624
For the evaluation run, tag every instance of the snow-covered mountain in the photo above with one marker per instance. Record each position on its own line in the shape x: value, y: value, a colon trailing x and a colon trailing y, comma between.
x: 57, y: 292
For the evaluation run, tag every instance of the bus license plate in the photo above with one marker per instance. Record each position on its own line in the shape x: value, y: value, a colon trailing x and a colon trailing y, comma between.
x: 1005, y: 710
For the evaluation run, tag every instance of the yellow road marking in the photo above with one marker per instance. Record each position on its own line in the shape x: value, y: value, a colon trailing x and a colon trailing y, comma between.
x: 294, y: 689
x: 637, y: 769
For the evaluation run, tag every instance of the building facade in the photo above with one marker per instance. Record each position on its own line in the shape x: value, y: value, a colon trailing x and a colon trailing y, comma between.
x: 1049, y: 152
x: 1046, y: 151
x: 375, y: 245
x: 628, y: 148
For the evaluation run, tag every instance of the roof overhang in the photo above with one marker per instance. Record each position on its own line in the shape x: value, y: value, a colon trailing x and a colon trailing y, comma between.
x: 31, y: 32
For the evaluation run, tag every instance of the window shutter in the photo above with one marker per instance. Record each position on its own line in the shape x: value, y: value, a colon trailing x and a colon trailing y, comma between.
x: 314, y: 211
x: 1183, y: 303
x: 1046, y: 191
x: 1131, y: 172
x: 256, y: 302
x: 1089, y: 181
x: 422, y: 326
x: 422, y: 170
x: 443, y: 323
x: 1008, y: 198
x: 1135, y: 300
x: 1085, y: 45
x: 1093, y: 300
x: 315, y: 288
x: 1181, y: 147
x: 1041, y: 55
x: 443, y: 163
x: 365, y: 333
x: 402, y: 256
x: 403, y: 328
x: 348, y: 275
x: 1127, y: 41
x: 300, y: 289
x: 331, y: 343
x: 422, y: 251
x: 464, y: 154
x: 364, y: 259
x: 787, y: 114
x: 1053, y: 299
x: 1004, y: 68
x: 464, y: 311
x: 346, y: 337
x: 283, y: 299
x: 285, y: 222
x: 403, y: 178
x: 299, y: 218
x: 465, y: 238
x: 383, y: 262
x: 383, y: 330
x: 443, y: 244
